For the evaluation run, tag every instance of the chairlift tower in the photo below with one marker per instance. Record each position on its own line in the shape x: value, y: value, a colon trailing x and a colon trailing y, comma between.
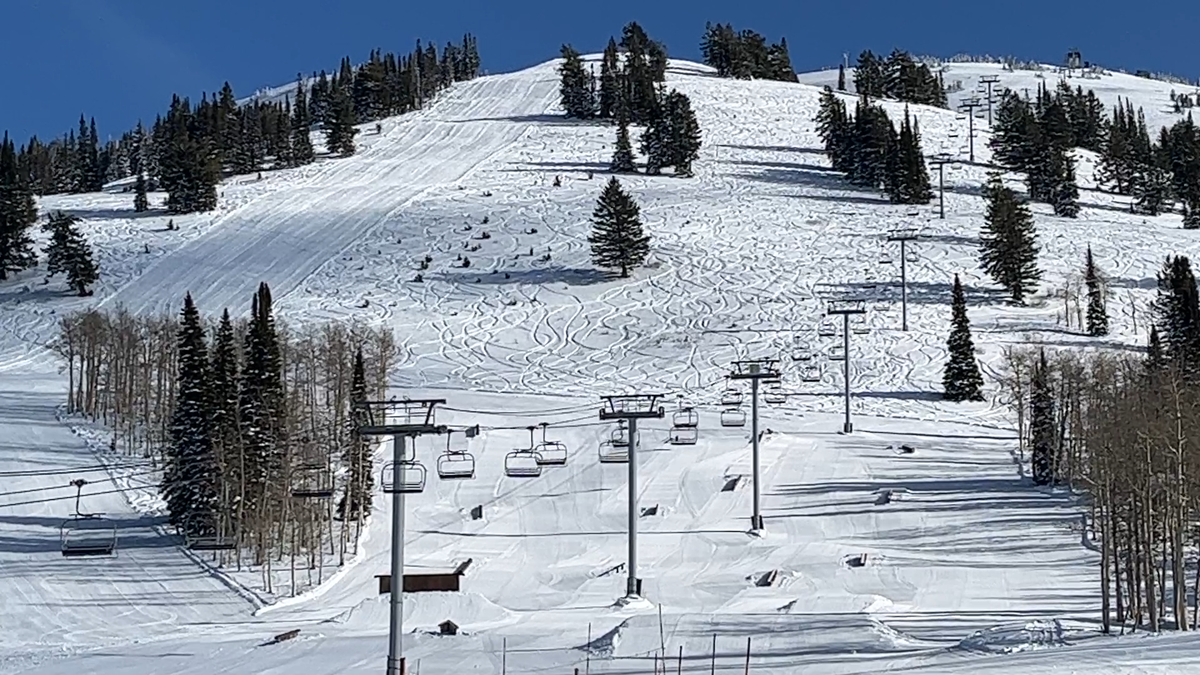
x: 755, y: 371
x: 846, y: 309
x: 401, y: 420
x: 970, y: 105
x: 940, y: 160
x: 903, y: 235
x: 632, y: 408
x: 989, y: 81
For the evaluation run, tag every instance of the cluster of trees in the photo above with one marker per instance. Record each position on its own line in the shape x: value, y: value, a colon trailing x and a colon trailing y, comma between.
x: 187, y: 150
x: 1119, y: 428
x: 1156, y: 174
x: 618, y: 240
x: 1036, y: 138
x: 671, y: 138
x: 236, y: 414
x: 627, y: 86
x: 897, y: 77
x: 869, y: 149
x: 745, y: 54
x: 18, y: 213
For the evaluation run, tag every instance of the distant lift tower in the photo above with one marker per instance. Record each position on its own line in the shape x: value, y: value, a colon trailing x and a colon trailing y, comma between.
x: 755, y: 371
x: 846, y: 309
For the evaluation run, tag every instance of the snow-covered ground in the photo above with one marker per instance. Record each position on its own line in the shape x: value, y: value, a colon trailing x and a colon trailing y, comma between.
x: 967, y: 567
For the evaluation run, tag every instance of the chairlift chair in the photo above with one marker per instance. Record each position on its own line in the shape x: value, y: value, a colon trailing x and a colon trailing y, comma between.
x: 810, y: 373
x: 731, y: 396
x: 613, y: 454
x: 522, y: 463
x: 859, y: 326
x: 733, y: 417
x: 826, y: 329
x: 87, y: 535
x: 455, y: 462
x: 406, y: 477
x: 774, y: 394
x: 683, y: 435
x: 685, y: 417
x: 837, y: 353
x: 801, y: 353
x: 885, y: 258
x: 550, y: 453
x: 312, y: 484
x: 911, y: 256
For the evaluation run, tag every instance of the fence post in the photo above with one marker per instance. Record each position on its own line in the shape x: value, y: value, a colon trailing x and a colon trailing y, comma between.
x: 679, y: 663
x: 713, y: 668
x: 747, y: 655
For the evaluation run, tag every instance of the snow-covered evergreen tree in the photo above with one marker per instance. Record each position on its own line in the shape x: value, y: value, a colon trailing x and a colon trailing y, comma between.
x: 355, y: 502
x: 622, y: 159
x: 1008, y: 248
x: 69, y: 253
x: 1097, y: 310
x: 1042, y: 430
x: 961, y: 380
x: 617, y: 239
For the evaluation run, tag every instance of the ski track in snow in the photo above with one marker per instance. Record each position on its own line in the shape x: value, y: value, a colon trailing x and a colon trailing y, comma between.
x: 965, y: 562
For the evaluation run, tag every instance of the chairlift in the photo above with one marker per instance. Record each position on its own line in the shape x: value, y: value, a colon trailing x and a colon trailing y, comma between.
x: 685, y: 417
x: 810, y: 373
x: 774, y: 394
x: 87, y: 535
x: 885, y: 258
x: 802, y: 353
x: 613, y: 454
x: 455, y: 462
x: 620, y: 436
x: 550, y: 453
x: 683, y: 435
x: 731, y: 396
x: 522, y: 463
x: 206, y: 535
x: 827, y: 329
x: 733, y: 417
x: 406, y: 477
x: 859, y: 326
x: 911, y: 256
x: 837, y: 353
x: 313, y: 482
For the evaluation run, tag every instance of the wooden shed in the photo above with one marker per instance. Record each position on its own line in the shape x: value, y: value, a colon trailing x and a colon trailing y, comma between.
x: 420, y: 583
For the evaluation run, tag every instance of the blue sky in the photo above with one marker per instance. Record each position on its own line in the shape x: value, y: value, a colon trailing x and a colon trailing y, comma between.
x: 120, y: 60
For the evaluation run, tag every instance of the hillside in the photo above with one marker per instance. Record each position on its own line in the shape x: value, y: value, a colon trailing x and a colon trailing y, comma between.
x: 964, y: 559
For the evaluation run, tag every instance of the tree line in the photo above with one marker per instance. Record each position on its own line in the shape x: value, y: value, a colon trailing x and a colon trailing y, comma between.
x: 869, y: 149
x: 745, y: 54
x: 190, y: 147
x: 237, y: 414
x: 626, y: 87
x: 1118, y: 429
x: 898, y: 77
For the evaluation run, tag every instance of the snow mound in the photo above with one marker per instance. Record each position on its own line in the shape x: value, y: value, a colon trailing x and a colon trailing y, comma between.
x: 1013, y: 638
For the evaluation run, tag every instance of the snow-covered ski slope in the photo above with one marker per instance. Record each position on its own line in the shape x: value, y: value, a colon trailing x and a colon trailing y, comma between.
x: 964, y: 560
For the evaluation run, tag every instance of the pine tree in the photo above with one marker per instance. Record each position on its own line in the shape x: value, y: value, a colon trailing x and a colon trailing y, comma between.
x: 683, y: 133
x: 68, y: 252
x: 609, y: 91
x: 1008, y: 249
x: 961, y: 380
x: 356, y: 499
x: 339, y: 127
x: 18, y: 213
x: 1097, y: 311
x: 1177, y: 312
x: 260, y: 405
x: 1010, y: 142
x: 1064, y: 193
x: 141, y: 201
x: 224, y: 427
x: 1155, y: 358
x: 908, y: 177
x: 841, y: 81
x: 575, y: 88
x: 190, y: 478
x: 301, y: 142
x: 622, y: 160
x: 617, y: 239
x: 1041, y: 424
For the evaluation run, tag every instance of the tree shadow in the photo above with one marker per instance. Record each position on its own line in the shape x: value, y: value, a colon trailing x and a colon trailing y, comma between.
x: 572, y: 276
x: 110, y: 214
x: 550, y: 120
x: 900, y: 395
x: 1145, y: 283
x: 950, y: 239
x: 921, y: 292
x: 597, y: 167
x: 795, y: 166
x: 775, y: 148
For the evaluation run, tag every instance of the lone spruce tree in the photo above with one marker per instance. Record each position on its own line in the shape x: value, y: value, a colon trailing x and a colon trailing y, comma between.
x: 355, y: 503
x: 617, y: 239
x: 961, y: 380
x: 1008, y: 248
x: 1097, y: 311
x: 622, y: 159
x: 69, y: 253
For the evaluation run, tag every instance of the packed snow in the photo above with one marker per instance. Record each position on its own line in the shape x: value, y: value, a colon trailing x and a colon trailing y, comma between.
x: 940, y: 560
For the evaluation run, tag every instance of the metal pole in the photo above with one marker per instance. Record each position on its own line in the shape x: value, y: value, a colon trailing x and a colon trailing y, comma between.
x: 633, y: 586
x: 847, y: 426
x: 903, y: 286
x: 971, y: 133
x: 395, y: 664
x: 756, y: 522
x: 942, y: 190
